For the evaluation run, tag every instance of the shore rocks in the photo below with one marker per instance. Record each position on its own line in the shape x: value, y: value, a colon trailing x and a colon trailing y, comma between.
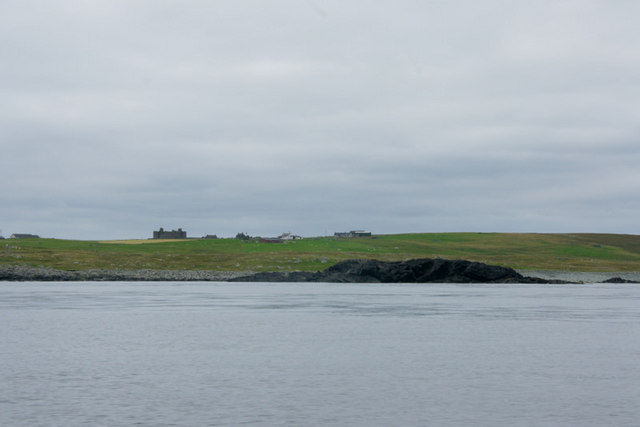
x: 619, y: 280
x: 413, y: 271
x: 20, y: 273
x: 424, y: 270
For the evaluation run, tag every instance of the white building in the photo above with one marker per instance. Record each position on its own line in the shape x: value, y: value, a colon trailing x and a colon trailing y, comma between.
x: 289, y: 236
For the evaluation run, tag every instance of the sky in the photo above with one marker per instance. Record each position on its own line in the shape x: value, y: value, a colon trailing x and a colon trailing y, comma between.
x: 118, y: 117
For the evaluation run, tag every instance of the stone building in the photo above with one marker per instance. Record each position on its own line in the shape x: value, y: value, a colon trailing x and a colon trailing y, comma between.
x: 173, y: 234
x: 24, y: 236
x: 353, y: 233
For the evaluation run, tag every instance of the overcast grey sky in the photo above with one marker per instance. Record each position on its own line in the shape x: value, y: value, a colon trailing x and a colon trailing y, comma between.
x: 120, y: 117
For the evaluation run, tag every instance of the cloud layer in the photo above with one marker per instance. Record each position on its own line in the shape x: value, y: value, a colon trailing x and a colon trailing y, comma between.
x: 118, y: 117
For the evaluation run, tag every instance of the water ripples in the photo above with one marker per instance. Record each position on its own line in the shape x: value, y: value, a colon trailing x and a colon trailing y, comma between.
x: 530, y: 302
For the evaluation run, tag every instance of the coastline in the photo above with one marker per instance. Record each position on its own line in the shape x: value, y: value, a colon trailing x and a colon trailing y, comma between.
x: 21, y: 273
x: 581, y: 276
x: 350, y: 271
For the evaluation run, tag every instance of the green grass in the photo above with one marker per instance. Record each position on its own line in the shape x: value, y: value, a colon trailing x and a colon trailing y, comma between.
x: 573, y: 252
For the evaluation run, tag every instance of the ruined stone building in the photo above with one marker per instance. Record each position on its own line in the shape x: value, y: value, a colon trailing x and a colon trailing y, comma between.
x: 173, y: 234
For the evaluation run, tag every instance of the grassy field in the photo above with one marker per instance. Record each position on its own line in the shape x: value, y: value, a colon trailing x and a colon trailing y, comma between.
x: 571, y: 252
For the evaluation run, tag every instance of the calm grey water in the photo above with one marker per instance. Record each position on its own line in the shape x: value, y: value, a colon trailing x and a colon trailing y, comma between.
x: 319, y: 354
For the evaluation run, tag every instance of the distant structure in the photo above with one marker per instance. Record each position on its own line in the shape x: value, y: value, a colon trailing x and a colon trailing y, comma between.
x: 353, y: 233
x: 173, y: 234
x: 210, y: 236
x: 289, y: 236
x: 24, y: 236
x: 280, y: 239
x: 270, y: 240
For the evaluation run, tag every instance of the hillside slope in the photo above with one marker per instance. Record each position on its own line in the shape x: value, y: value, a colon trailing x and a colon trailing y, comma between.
x: 572, y: 252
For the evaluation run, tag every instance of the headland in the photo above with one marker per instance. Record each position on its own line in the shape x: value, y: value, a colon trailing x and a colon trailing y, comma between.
x: 560, y: 257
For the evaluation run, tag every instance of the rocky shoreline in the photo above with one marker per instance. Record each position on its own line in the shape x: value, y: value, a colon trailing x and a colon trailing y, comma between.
x: 582, y: 276
x: 20, y: 273
x: 424, y: 270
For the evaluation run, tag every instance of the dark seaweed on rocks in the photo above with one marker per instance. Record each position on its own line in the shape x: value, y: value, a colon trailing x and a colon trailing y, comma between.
x: 413, y: 271
x: 619, y: 280
x: 351, y: 271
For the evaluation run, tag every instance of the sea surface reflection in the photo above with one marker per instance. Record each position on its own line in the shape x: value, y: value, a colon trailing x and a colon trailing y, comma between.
x: 314, y: 354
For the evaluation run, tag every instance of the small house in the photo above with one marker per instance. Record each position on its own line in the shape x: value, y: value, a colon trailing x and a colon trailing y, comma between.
x: 353, y: 233
x: 289, y: 236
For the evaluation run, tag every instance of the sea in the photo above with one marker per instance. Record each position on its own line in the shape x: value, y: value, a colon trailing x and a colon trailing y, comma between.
x: 313, y: 354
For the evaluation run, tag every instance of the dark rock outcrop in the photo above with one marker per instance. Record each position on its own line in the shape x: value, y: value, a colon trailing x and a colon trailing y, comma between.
x: 413, y: 271
x: 619, y: 280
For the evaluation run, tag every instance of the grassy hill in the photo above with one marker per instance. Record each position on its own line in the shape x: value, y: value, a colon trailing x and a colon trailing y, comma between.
x: 572, y: 252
